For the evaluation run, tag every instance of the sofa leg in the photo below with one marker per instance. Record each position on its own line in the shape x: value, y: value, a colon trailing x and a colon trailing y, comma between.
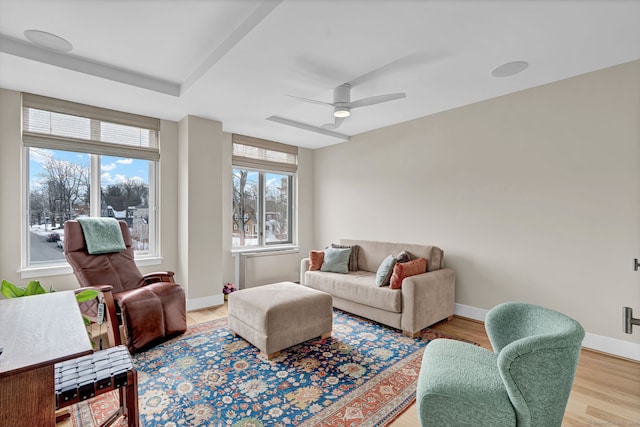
x: 270, y: 355
x: 411, y: 334
x: 450, y: 318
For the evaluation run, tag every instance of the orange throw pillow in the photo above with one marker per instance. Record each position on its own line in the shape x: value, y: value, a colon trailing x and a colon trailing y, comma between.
x: 406, y: 269
x: 316, y: 258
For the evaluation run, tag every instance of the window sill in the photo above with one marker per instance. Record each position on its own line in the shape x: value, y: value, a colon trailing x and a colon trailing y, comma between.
x: 60, y: 269
x: 279, y: 248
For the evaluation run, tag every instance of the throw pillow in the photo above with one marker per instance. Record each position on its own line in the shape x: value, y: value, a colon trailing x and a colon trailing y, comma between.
x: 406, y: 269
x: 405, y: 256
x: 385, y: 271
x: 315, y: 260
x: 353, y: 257
x: 336, y: 260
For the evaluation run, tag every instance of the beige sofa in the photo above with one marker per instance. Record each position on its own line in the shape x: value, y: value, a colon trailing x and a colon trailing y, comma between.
x: 423, y: 300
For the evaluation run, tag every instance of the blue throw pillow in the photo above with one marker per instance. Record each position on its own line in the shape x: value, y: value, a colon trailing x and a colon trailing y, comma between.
x: 383, y: 275
x: 336, y: 260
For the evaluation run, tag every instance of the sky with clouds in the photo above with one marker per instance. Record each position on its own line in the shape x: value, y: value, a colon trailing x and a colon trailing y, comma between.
x: 113, y: 170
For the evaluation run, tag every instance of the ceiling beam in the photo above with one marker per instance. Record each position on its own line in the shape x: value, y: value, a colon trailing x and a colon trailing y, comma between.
x: 74, y: 63
x: 233, y: 39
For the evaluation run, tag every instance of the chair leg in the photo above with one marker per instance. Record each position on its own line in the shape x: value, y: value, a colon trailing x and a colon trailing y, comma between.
x: 130, y: 399
x: 62, y: 414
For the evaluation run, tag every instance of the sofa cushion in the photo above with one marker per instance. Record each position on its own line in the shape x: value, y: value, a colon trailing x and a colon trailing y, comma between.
x: 315, y: 260
x: 385, y: 270
x: 372, y: 253
x: 353, y: 256
x: 406, y: 269
x: 405, y: 256
x: 358, y: 286
x: 336, y: 260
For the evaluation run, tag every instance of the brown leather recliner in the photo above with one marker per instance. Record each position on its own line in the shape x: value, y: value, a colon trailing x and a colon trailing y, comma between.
x: 151, y: 307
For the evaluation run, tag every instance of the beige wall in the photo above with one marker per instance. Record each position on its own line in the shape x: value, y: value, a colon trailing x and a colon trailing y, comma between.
x: 200, y: 212
x: 305, y: 215
x: 10, y: 192
x: 533, y: 196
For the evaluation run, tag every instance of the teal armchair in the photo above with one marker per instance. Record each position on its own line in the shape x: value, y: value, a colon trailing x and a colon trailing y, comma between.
x: 524, y: 382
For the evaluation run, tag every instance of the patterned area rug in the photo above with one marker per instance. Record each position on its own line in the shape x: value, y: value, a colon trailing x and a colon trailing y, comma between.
x: 364, y: 375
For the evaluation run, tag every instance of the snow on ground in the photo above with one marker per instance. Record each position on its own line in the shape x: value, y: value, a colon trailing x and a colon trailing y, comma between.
x: 44, y: 230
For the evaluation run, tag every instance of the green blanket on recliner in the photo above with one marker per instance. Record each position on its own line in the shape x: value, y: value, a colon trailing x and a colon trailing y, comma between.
x: 102, y: 235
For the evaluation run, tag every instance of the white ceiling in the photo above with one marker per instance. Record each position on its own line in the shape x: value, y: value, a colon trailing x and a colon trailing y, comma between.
x: 235, y: 61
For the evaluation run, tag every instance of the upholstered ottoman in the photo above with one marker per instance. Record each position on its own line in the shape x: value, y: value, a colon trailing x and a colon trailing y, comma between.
x: 275, y: 317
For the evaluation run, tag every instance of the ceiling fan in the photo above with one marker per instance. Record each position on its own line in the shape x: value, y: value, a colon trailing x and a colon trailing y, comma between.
x: 342, y: 104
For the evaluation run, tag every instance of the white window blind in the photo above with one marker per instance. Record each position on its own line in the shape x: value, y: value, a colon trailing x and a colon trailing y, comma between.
x: 63, y: 125
x: 254, y: 153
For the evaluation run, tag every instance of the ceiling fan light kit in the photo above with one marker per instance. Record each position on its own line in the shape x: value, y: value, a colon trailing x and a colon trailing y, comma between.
x: 341, y: 112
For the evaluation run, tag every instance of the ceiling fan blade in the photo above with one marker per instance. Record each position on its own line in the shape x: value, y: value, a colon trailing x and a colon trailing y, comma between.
x: 377, y: 99
x: 415, y: 59
x: 335, y: 125
x: 312, y: 101
x: 310, y: 128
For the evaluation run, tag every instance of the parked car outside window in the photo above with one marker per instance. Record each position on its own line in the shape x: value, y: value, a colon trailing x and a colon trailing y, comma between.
x: 53, y: 237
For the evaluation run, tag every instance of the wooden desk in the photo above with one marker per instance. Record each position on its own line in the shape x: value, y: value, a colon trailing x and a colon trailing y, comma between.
x: 35, y: 333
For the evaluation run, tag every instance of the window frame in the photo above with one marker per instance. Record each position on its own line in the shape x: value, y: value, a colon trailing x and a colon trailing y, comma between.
x: 262, y: 214
x: 264, y: 157
x: 96, y: 150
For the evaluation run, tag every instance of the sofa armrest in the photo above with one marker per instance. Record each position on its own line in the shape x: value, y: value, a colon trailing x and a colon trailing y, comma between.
x: 304, y: 267
x: 426, y: 299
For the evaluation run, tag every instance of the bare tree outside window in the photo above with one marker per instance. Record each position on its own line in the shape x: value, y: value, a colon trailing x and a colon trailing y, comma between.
x: 59, y: 190
x: 245, y: 197
x: 262, y: 207
x: 277, y: 208
x: 124, y: 195
x: 65, y: 184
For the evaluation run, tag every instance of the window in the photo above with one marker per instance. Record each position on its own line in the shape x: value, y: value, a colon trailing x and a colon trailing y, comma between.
x: 263, y: 202
x: 80, y: 164
x: 261, y: 208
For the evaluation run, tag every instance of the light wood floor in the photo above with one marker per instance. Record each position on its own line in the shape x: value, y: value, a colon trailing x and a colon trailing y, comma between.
x: 606, y: 390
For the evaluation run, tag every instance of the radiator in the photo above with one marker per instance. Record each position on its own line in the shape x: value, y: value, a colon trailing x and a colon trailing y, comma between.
x: 261, y: 268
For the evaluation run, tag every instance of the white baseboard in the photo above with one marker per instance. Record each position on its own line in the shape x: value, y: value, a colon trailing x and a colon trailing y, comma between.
x: 614, y: 346
x: 205, y: 302
x: 608, y: 345
x: 470, y: 312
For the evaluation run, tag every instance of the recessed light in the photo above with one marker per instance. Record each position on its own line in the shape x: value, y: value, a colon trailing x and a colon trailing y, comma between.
x: 48, y: 40
x: 509, y: 69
